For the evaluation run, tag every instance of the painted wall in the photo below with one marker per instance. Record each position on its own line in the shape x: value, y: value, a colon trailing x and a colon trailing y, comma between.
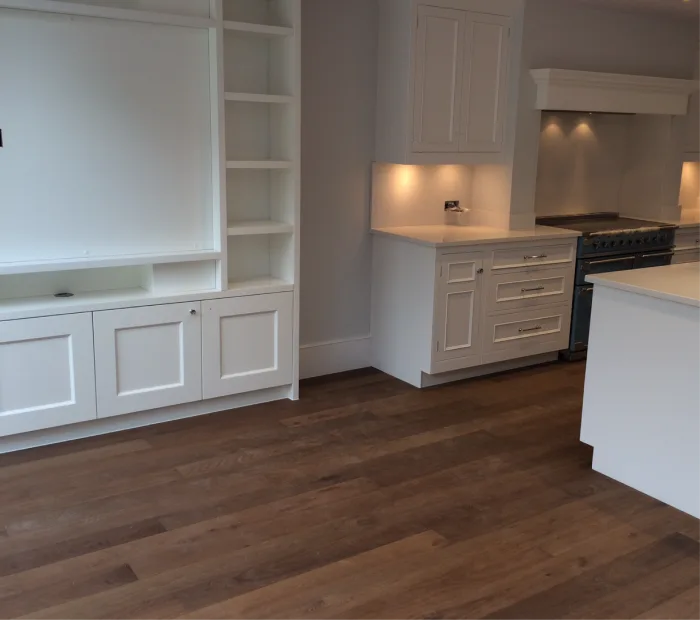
x: 339, y: 60
x: 568, y: 35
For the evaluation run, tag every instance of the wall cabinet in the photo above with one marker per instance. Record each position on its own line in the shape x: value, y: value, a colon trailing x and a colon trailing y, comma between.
x: 147, y: 358
x: 453, y: 62
x: 47, y: 374
x: 247, y: 344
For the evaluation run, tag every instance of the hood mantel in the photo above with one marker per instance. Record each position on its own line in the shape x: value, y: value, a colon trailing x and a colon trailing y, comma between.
x: 587, y: 91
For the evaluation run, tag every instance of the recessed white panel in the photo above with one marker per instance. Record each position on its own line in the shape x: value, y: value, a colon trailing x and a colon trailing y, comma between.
x: 36, y: 373
x: 248, y: 343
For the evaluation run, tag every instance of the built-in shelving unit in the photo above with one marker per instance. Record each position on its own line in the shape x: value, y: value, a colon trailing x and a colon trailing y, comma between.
x: 262, y: 227
x: 261, y: 100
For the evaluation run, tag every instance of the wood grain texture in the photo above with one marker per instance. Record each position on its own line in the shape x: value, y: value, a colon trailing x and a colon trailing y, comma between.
x: 365, y: 499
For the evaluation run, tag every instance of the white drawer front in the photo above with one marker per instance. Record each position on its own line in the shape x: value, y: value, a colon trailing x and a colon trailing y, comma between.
x: 515, y: 291
x: 686, y: 256
x: 688, y: 239
x: 532, y: 256
x: 531, y: 332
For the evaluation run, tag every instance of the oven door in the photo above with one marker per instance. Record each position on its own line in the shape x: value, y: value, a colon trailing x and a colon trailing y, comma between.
x: 590, y: 266
x: 653, y: 259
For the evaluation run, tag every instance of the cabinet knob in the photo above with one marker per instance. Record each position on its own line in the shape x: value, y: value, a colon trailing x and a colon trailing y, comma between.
x: 193, y: 312
x: 479, y: 271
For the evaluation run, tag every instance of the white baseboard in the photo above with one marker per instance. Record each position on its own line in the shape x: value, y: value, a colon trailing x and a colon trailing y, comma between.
x: 105, y: 426
x: 327, y: 358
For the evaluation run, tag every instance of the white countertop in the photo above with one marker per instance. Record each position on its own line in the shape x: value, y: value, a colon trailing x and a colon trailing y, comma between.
x: 443, y: 236
x: 677, y: 283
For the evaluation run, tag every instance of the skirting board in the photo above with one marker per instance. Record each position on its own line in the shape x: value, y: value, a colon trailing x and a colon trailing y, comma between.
x: 327, y: 358
x: 488, y: 369
x: 137, y: 420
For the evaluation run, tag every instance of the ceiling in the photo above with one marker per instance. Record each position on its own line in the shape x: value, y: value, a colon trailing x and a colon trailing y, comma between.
x: 673, y: 8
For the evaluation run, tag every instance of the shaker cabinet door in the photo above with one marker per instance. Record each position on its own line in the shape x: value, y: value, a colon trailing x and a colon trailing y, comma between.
x: 247, y: 344
x: 457, y: 306
x: 147, y: 358
x: 484, y: 88
x: 438, y: 80
x: 47, y: 373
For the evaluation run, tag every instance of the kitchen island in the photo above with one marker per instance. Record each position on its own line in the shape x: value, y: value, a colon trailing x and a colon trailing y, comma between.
x: 641, y: 404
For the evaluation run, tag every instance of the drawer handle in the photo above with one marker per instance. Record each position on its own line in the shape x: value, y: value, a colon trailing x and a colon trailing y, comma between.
x: 528, y: 290
x: 530, y: 329
x: 536, y: 256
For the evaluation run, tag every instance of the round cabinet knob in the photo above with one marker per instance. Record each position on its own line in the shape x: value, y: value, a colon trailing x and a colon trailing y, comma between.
x: 193, y: 312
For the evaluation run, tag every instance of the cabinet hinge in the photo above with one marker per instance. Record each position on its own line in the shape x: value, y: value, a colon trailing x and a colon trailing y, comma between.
x: 437, y: 346
x: 441, y: 271
x: 509, y: 33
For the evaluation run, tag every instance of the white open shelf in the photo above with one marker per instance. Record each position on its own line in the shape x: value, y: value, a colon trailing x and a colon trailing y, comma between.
x: 264, y: 164
x: 266, y: 13
x: 259, y: 29
x: 259, y: 286
x: 98, y: 262
x: 259, y: 227
x: 258, y: 98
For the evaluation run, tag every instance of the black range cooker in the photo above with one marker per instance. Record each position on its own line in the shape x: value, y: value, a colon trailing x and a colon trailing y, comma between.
x: 608, y: 243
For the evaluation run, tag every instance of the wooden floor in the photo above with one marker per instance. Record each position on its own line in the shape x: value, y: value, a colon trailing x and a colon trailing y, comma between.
x: 366, y: 499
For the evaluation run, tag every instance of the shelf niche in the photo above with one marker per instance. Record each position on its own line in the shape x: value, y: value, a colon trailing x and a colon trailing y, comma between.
x: 262, y: 12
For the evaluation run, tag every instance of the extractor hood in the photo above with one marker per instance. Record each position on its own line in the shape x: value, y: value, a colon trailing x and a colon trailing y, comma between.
x: 587, y: 91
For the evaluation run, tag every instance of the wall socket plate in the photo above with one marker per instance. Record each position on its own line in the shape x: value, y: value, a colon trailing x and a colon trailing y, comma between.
x: 451, y: 204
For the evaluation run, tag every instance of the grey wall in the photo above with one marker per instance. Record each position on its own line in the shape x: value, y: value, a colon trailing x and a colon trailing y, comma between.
x: 564, y: 34
x: 339, y: 60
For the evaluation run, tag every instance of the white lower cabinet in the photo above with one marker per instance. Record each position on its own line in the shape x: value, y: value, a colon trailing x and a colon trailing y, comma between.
x: 46, y: 373
x: 147, y: 358
x: 247, y: 344
x: 457, y: 305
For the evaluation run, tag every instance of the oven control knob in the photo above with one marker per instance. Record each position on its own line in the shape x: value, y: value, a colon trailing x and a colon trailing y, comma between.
x: 604, y: 244
x: 639, y: 241
x: 613, y: 244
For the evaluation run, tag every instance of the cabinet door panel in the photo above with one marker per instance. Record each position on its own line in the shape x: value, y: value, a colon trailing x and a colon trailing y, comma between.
x: 484, y: 96
x: 438, y: 80
x: 147, y: 358
x: 457, y: 306
x: 247, y: 344
x: 47, y: 373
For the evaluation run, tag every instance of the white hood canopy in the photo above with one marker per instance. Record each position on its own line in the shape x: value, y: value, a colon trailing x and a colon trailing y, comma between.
x: 587, y: 91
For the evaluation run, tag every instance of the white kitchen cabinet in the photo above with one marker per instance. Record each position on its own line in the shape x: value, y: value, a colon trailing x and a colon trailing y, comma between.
x: 438, y: 81
x: 46, y: 373
x: 442, y: 93
x: 484, y: 83
x: 246, y: 344
x: 439, y: 312
x: 457, y: 305
x: 147, y: 358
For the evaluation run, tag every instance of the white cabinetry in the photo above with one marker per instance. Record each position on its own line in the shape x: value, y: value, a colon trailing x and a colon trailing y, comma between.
x: 46, y: 373
x: 437, y: 310
x: 247, y: 344
x: 443, y: 81
x: 457, y: 304
x: 147, y: 358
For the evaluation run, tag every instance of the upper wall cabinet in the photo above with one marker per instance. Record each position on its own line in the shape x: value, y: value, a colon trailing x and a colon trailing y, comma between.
x: 443, y: 81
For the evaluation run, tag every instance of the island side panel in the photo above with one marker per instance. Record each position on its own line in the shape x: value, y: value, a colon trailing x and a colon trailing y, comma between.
x: 641, y: 406
x: 403, y: 293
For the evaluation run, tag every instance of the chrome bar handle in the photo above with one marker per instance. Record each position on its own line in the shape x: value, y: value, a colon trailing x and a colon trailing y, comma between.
x: 527, y: 290
x: 534, y: 257
x: 530, y: 329
x: 611, y: 260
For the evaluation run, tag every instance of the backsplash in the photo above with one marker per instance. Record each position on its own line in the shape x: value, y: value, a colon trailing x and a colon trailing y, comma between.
x: 582, y: 162
x: 690, y: 187
x: 415, y: 195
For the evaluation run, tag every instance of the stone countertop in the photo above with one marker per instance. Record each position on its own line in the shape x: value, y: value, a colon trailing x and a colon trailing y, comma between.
x: 445, y: 236
x: 676, y: 283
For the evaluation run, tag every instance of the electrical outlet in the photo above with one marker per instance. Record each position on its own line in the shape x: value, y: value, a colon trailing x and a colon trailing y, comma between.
x: 452, y: 205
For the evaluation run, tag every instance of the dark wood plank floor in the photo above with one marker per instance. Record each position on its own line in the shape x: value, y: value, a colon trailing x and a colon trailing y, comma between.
x: 366, y: 499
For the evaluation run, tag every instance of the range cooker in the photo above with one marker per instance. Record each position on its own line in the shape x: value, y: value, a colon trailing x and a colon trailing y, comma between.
x: 608, y: 243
